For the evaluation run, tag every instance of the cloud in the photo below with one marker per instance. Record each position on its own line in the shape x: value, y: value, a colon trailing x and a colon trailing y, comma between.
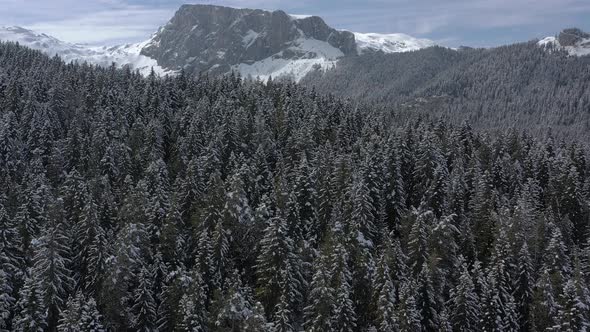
x: 127, y: 23
x: 468, y: 21
x: 106, y: 21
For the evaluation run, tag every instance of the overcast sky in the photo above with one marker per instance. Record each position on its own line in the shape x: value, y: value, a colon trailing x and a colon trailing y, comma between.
x: 449, y: 22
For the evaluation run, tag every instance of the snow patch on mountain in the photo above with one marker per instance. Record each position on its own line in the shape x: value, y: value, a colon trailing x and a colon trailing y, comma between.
x: 581, y: 48
x: 102, y: 56
x: 250, y: 38
x: 312, y: 54
x: 390, y: 43
x: 299, y: 17
x: 42, y: 42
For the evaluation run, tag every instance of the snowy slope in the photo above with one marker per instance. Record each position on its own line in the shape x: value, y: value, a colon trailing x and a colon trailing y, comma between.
x: 295, y: 61
x: 581, y: 48
x: 102, y: 56
x: 389, y: 43
x: 312, y: 54
x: 321, y: 55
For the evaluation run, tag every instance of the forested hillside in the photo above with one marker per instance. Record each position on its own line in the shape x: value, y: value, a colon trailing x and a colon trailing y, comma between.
x: 179, y: 204
x: 516, y: 86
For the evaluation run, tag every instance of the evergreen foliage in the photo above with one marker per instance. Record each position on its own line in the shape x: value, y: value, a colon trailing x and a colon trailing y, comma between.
x: 198, y: 204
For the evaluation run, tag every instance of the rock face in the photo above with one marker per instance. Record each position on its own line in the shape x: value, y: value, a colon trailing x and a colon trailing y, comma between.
x: 203, y: 38
x: 217, y: 40
x: 572, y: 37
x: 574, y: 41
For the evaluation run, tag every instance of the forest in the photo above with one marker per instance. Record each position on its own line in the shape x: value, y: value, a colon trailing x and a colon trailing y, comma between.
x: 226, y: 204
x: 509, y: 87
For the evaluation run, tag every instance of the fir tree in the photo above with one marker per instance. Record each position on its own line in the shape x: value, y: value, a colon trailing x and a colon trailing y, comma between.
x: 144, y: 305
x: 318, y: 313
x: 31, y: 313
x: 343, y: 316
x: 465, y: 306
x: 7, y: 301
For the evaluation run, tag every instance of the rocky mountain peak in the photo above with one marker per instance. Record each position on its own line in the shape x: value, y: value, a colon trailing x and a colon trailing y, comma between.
x: 572, y: 37
x: 574, y: 41
x: 215, y: 38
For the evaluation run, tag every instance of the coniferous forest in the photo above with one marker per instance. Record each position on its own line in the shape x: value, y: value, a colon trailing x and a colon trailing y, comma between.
x: 223, y: 204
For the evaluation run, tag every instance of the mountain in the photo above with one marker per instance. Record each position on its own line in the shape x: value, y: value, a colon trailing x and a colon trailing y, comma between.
x: 521, y: 85
x: 216, y: 40
x: 389, y: 43
x: 574, y: 41
x: 123, y: 55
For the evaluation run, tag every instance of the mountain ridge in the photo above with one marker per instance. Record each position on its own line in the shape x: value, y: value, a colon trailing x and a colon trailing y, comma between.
x: 253, y: 42
x: 217, y: 40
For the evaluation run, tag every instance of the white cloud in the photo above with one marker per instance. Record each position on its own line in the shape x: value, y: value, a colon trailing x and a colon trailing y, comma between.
x: 123, y: 24
x: 108, y: 21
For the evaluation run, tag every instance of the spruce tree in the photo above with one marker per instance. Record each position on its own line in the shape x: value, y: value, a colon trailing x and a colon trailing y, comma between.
x: 465, y: 303
x: 144, y: 304
x: 318, y: 312
x: 31, y: 315
x: 343, y: 316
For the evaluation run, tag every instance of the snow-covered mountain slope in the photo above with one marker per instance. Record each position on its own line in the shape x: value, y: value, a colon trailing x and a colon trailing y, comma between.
x: 217, y: 40
x: 315, y: 54
x: 389, y: 43
x: 323, y: 56
x: 102, y: 56
x: 574, y: 41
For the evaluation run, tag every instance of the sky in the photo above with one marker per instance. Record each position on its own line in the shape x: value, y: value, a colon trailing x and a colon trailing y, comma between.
x: 476, y: 23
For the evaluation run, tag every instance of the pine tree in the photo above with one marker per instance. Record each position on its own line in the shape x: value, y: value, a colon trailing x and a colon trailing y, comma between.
x: 7, y: 301
x: 257, y: 322
x: 418, y: 240
x: 524, y: 288
x: 386, y: 308
x: 283, y: 315
x: 481, y: 206
x: 192, y: 306
x: 11, y: 255
x: 70, y: 317
x: 499, y: 305
x: 573, y: 314
x: 90, y: 318
x: 544, y: 306
x: 31, y: 313
x: 159, y: 201
x: 407, y: 313
x: 574, y: 311
x: 385, y: 295
x: 343, y: 316
x: 426, y: 300
x: 236, y: 307
x: 556, y: 259
x: 319, y: 312
x: 52, y: 265
x: 91, y: 256
x: 363, y: 213
x: 465, y: 306
x: 278, y: 263
x: 144, y: 307
x: 191, y: 320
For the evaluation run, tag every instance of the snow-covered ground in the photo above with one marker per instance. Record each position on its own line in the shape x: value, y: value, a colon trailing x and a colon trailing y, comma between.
x: 581, y: 49
x: 312, y: 54
x: 299, y: 17
x: 390, y: 43
x: 103, y: 56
